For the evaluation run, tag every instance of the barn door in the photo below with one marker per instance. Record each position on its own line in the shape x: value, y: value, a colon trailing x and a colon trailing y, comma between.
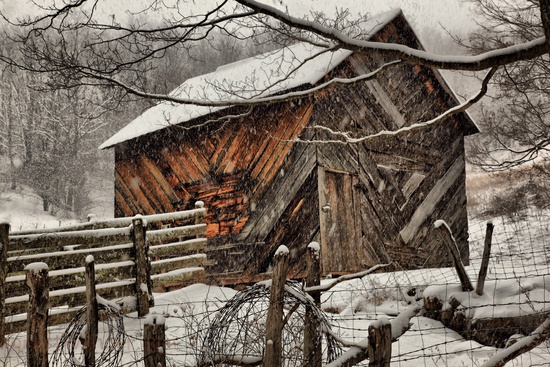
x: 339, y: 222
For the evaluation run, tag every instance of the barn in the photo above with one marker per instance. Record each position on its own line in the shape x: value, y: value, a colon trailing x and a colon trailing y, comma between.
x: 281, y: 173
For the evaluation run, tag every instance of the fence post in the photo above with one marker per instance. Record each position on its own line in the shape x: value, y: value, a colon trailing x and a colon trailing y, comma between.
x: 143, y: 267
x: 4, y: 242
x: 379, y: 347
x: 199, y: 218
x: 37, y: 314
x: 154, y: 342
x: 312, y: 336
x: 274, y: 322
x: 448, y: 240
x: 91, y: 314
x: 485, y: 260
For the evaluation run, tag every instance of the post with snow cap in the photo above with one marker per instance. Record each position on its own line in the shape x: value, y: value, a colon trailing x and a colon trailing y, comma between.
x: 379, y: 347
x: 91, y: 314
x: 4, y: 241
x: 154, y: 341
x: 37, y: 315
x: 312, y: 335
x: 144, y: 293
x: 274, y: 322
x: 446, y: 236
x: 199, y: 216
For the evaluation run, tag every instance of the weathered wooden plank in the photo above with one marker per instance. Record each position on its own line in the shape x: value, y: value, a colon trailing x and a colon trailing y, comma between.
x: 126, y: 193
x: 340, y: 233
x: 431, y: 199
x: 174, y: 158
x: 121, y: 205
x: 145, y: 162
x: 102, y: 237
x: 298, y: 225
x: 74, y: 297
x: 59, y: 279
x: 171, y: 217
x: 277, y: 197
x: 442, y: 162
x: 137, y: 179
x: 182, y: 262
x: 178, y: 248
x: 178, y: 278
x: 170, y: 234
x: 298, y: 120
x: 133, y: 184
x: 72, y: 259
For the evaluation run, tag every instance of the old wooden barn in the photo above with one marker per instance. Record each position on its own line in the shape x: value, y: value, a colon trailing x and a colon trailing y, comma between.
x: 366, y: 203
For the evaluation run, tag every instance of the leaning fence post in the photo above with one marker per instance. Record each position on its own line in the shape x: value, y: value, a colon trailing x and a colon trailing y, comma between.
x: 4, y: 242
x: 448, y: 240
x: 312, y: 336
x: 91, y: 314
x: 37, y: 314
x: 485, y: 260
x: 274, y: 322
x: 143, y: 272
x: 154, y: 341
x: 379, y: 347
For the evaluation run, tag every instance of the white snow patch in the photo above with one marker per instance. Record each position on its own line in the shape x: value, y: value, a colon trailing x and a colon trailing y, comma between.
x: 314, y: 246
x: 282, y: 250
x: 89, y: 259
x: 36, y: 267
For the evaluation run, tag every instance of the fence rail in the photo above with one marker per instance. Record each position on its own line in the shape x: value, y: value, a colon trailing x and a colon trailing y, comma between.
x: 125, y: 266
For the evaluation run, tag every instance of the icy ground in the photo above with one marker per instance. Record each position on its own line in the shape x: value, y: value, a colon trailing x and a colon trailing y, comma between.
x: 520, y: 256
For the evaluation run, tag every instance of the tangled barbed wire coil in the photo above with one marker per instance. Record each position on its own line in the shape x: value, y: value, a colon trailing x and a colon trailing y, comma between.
x: 69, y: 351
x: 239, y: 328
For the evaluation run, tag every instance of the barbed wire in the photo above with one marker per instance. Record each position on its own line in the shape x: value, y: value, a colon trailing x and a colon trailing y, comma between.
x: 69, y: 349
x: 199, y: 329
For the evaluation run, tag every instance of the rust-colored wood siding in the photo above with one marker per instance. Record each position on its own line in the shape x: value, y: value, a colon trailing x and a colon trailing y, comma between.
x: 225, y: 165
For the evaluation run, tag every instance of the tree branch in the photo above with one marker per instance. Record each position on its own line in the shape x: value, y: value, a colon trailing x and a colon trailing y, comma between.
x: 524, y: 51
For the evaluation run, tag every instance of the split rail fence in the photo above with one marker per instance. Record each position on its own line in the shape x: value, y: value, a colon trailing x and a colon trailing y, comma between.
x: 133, y: 256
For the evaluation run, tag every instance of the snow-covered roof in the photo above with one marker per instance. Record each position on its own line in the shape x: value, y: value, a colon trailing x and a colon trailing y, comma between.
x: 258, y: 76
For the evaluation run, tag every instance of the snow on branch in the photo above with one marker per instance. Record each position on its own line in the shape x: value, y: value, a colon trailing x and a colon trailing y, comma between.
x: 507, y: 55
x: 347, y: 138
x: 343, y: 278
x: 242, y: 101
x: 524, y: 345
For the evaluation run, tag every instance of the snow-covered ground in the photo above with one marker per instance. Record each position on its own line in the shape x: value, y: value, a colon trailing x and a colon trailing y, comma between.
x: 520, y: 258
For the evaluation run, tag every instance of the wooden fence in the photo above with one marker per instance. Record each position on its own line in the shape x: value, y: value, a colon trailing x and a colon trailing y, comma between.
x: 133, y: 256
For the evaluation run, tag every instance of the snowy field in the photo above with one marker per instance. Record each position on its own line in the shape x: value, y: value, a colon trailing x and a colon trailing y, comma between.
x: 520, y: 258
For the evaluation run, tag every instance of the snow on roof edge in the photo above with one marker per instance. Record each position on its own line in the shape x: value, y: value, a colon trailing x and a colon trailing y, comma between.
x: 158, y: 117
x: 446, y: 85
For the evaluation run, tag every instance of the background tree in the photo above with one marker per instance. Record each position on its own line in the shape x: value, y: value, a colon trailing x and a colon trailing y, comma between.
x: 50, y: 132
x: 514, y: 120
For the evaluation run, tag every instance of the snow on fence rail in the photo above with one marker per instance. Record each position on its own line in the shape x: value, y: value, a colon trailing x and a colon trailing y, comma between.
x: 131, y: 261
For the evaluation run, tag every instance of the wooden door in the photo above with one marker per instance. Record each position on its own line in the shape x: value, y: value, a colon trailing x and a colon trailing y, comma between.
x: 339, y: 222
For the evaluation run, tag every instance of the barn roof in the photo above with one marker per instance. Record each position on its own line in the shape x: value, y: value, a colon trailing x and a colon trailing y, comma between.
x: 258, y: 76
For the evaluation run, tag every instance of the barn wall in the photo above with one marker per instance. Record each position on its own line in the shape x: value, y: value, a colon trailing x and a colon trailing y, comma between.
x: 405, y: 182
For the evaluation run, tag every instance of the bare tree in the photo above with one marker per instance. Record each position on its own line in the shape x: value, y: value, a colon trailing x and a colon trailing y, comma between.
x: 514, y: 119
x: 116, y: 54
